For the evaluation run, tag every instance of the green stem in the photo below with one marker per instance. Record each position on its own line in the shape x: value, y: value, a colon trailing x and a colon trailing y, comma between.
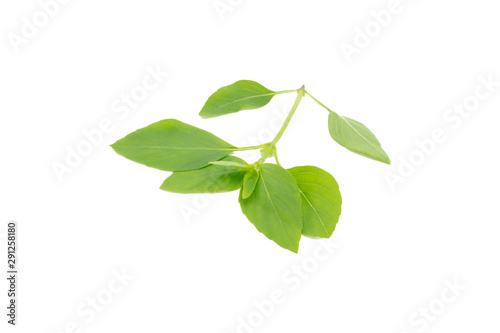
x: 286, y: 91
x: 323, y: 105
x: 269, y: 149
x: 276, y: 156
x: 300, y: 94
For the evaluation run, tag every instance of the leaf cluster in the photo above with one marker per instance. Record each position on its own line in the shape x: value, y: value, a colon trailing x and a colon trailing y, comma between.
x: 283, y: 204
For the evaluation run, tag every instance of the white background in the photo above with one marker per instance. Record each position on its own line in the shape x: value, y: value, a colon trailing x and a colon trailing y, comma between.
x: 202, y: 271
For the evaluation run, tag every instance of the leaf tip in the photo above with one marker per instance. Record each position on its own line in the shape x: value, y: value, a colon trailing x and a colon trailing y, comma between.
x: 293, y: 248
x: 114, y: 145
x: 386, y: 159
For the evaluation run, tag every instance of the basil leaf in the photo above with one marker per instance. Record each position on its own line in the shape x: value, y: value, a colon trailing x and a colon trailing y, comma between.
x: 210, y: 179
x: 249, y: 182
x: 321, y: 200
x: 274, y: 207
x: 172, y: 145
x: 356, y: 137
x: 241, y: 95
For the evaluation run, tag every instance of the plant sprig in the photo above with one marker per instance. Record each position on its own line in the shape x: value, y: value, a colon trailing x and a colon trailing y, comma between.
x: 283, y: 204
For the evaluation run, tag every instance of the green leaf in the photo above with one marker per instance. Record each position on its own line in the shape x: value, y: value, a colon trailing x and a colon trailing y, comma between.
x: 274, y: 207
x: 241, y: 95
x: 210, y: 179
x: 356, y: 137
x: 321, y: 200
x: 172, y: 145
x: 249, y: 182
